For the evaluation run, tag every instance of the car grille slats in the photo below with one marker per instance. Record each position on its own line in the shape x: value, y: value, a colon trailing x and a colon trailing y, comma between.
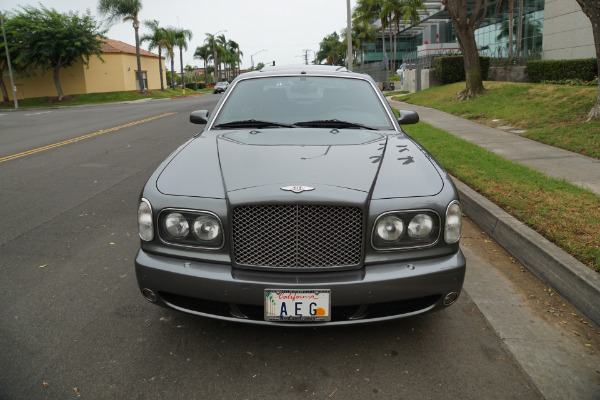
x: 297, y: 236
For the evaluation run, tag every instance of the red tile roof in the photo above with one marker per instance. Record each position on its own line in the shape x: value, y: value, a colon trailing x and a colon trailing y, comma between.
x: 116, y: 46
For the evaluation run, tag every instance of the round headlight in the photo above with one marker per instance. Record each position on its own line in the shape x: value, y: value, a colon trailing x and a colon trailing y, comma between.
x: 453, y: 223
x: 176, y: 225
x: 206, y: 228
x: 145, y: 225
x: 390, y: 228
x: 420, y: 226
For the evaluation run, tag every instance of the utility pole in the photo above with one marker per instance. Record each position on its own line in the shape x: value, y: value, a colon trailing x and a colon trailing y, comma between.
x: 12, y: 81
x: 305, y: 56
x: 349, y: 36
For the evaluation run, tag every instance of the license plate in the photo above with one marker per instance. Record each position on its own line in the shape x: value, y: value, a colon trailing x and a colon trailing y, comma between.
x: 298, y: 305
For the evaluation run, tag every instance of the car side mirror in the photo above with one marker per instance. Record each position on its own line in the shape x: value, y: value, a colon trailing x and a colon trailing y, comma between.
x: 199, y: 117
x: 406, y: 117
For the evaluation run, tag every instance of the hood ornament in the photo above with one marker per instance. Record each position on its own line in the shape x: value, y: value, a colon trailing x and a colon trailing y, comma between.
x: 297, y: 189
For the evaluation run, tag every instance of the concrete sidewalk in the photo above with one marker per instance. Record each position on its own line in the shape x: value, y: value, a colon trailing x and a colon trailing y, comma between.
x: 581, y: 170
x: 574, y: 281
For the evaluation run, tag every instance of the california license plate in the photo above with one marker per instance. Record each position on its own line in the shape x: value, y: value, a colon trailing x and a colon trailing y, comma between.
x: 298, y: 305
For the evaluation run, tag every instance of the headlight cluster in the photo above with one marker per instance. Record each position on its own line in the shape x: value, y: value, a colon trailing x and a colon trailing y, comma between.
x: 190, y: 228
x: 406, y: 229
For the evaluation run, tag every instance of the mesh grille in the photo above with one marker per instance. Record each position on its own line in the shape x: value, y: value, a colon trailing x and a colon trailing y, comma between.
x: 297, y: 236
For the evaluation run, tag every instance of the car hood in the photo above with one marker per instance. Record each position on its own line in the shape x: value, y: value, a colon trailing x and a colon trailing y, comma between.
x: 264, y: 161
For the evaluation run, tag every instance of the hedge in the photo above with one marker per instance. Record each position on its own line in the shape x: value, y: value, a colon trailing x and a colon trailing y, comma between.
x: 451, y: 69
x: 192, y: 85
x: 559, y: 70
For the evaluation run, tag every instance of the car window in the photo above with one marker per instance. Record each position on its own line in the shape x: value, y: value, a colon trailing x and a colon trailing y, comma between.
x: 300, y: 99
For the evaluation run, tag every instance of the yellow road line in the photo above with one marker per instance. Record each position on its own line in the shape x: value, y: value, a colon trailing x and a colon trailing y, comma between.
x: 77, y: 139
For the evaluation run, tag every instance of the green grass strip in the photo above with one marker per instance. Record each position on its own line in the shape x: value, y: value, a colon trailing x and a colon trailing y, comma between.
x: 551, y: 114
x: 565, y: 214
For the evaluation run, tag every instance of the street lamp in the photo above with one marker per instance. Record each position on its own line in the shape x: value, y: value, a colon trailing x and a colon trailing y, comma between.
x: 252, y: 57
x: 215, y: 52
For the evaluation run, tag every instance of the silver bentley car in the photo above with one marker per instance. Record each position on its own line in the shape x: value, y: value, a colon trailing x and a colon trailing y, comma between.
x: 302, y: 202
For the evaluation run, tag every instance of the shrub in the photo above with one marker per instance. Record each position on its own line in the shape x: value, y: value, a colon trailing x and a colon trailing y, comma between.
x: 192, y: 85
x: 450, y: 69
x: 561, y: 70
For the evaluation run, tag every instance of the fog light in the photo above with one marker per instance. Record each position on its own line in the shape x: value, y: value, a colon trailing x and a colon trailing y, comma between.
x: 149, y: 295
x: 450, y: 298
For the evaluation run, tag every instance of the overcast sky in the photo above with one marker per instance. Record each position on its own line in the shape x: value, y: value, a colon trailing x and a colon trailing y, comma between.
x: 284, y: 28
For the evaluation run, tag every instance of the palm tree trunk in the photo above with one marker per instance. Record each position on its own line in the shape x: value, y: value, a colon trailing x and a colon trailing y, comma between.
x: 136, y: 27
x: 181, y: 65
x: 172, y: 71
x: 160, y: 68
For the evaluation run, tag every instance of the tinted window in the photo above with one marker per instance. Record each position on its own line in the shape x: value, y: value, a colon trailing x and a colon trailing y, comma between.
x: 299, y: 99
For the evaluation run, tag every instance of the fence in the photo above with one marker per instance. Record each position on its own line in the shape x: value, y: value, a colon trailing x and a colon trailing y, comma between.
x: 376, y: 71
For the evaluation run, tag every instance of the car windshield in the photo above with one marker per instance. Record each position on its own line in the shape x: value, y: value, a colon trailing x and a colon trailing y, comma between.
x: 305, y: 101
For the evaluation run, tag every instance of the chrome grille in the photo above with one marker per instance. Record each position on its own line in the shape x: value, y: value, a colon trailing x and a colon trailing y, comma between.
x: 297, y: 236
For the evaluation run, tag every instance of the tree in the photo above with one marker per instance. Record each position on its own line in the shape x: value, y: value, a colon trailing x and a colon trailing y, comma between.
x: 591, y: 8
x: 181, y: 38
x: 260, y: 66
x: 234, y: 52
x: 3, y: 60
x: 363, y: 32
x: 170, y: 45
x: 157, y: 39
x: 329, y: 49
x: 367, y: 10
x: 128, y: 10
x: 221, y: 53
x: 44, y: 39
x: 204, y: 53
x: 211, y: 43
x: 464, y: 27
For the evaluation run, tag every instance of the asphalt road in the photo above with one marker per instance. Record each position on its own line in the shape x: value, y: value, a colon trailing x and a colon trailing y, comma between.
x: 73, y: 324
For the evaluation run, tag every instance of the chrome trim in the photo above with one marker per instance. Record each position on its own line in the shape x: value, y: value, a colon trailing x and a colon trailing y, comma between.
x: 411, y: 247
x: 297, y: 189
x: 188, y: 246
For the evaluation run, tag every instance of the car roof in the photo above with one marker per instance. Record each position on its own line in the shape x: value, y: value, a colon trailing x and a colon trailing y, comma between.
x: 302, y: 69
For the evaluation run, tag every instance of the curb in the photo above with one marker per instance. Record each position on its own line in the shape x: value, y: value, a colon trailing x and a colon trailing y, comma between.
x: 570, y: 278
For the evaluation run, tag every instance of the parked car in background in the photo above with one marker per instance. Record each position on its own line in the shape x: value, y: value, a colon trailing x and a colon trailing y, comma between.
x: 302, y: 202
x: 220, y: 87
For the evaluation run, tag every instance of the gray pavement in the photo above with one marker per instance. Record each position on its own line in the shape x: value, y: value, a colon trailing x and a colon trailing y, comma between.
x: 567, y: 276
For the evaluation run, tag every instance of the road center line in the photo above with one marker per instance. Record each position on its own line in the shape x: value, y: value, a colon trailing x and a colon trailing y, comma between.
x: 77, y: 139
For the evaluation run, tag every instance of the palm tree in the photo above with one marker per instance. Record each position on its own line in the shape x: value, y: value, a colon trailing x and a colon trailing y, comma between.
x: 234, y: 52
x: 210, y: 41
x: 221, y: 50
x: 127, y: 10
x: 367, y: 10
x: 181, y: 38
x: 157, y: 39
x: 170, y: 45
x: 363, y: 31
x: 204, y: 53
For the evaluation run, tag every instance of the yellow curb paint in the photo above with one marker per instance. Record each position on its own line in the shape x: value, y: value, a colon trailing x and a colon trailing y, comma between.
x: 77, y: 139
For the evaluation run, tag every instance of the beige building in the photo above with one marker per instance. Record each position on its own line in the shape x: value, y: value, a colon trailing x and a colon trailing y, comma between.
x: 116, y: 74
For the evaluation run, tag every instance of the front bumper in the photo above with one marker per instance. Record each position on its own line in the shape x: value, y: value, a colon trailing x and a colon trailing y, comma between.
x: 373, y: 293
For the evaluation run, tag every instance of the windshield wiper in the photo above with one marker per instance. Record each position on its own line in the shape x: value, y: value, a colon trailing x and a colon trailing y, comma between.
x: 252, y: 123
x: 334, y: 123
